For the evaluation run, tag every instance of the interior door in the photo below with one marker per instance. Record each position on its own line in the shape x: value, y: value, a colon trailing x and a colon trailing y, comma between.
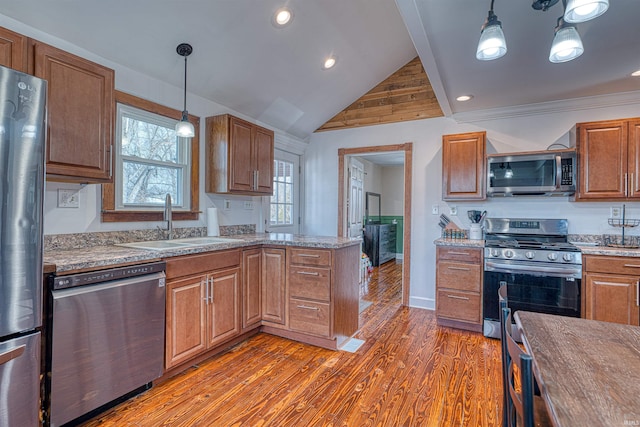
x: 355, y: 198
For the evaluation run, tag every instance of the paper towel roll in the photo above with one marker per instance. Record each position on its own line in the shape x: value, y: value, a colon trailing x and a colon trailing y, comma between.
x: 213, y: 228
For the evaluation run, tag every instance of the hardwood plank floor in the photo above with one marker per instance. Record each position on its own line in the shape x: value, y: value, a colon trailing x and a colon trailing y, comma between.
x: 409, y: 372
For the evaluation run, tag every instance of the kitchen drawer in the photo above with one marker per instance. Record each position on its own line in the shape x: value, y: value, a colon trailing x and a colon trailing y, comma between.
x: 461, y: 306
x: 194, y: 264
x: 310, y: 282
x: 458, y: 253
x: 610, y: 264
x: 458, y: 275
x: 312, y: 257
x: 309, y: 317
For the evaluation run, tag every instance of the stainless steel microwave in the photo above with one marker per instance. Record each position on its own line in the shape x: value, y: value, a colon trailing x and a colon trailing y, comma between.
x: 539, y: 173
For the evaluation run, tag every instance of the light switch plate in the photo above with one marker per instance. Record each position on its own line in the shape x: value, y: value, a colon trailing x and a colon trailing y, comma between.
x: 616, y: 211
x: 248, y: 204
x: 68, y: 198
x: 227, y: 204
x: 453, y: 210
x: 435, y: 210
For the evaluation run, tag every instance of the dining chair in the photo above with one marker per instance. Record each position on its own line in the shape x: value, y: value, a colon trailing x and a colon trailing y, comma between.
x: 522, y: 404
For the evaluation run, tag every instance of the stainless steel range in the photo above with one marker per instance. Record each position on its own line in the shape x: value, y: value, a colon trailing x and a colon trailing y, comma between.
x: 541, y: 269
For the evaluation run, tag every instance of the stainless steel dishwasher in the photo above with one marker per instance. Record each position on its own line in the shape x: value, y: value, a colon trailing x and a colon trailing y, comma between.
x: 106, y: 337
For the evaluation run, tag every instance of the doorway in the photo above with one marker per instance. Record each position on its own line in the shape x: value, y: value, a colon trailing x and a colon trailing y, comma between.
x: 344, y: 156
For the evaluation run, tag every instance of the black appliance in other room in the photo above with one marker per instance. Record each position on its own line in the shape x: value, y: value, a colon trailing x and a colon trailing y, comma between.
x: 532, y: 257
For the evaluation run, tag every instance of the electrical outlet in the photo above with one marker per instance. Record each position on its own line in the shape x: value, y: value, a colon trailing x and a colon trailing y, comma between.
x: 453, y: 210
x: 435, y: 210
x: 248, y: 205
x: 227, y: 204
x: 68, y: 198
x: 616, y: 211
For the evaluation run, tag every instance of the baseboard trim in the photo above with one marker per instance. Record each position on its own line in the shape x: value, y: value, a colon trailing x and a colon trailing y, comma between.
x: 419, y: 302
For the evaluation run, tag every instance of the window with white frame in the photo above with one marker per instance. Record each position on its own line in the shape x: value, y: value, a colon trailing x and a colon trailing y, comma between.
x: 151, y: 161
x: 282, y: 200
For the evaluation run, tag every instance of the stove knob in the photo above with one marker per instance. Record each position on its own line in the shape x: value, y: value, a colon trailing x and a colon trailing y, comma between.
x: 495, y: 252
x: 530, y: 254
x: 508, y: 253
x: 552, y: 256
x: 567, y: 257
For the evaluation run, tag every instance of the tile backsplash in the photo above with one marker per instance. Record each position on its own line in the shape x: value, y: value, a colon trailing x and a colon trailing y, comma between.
x: 103, y: 238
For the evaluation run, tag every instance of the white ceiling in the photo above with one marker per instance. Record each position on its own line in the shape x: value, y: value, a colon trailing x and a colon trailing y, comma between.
x: 243, y: 62
x: 446, y: 35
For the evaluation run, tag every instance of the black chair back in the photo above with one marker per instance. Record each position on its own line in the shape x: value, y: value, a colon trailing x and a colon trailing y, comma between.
x: 520, y: 402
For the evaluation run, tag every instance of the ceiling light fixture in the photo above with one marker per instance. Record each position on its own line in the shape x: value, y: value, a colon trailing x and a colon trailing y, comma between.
x: 463, y: 98
x: 584, y: 10
x: 184, y: 128
x: 330, y: 62
x: 566, y: 45
x: 282, y: 17
x: 492, y: 44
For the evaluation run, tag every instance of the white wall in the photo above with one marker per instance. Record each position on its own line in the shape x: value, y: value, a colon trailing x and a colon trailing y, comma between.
x: 86, y: 218
x: 392, y: 190
x: 524, y: 133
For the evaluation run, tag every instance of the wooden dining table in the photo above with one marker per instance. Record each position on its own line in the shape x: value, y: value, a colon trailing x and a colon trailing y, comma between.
x: 588, y: 371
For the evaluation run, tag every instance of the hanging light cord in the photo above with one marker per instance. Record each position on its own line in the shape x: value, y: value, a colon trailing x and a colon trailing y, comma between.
x: 185, y: 84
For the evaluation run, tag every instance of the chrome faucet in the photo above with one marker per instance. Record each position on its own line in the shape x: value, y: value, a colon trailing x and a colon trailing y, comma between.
x: 168, y: 215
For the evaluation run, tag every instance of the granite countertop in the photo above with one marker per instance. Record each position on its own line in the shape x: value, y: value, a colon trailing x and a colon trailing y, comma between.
x: 96, y: 257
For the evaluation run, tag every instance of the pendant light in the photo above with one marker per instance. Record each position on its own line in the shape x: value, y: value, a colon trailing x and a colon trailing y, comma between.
x: 184, y: 128
x: 492, y: 44
x: 584, y: 10
x: 567, y: 44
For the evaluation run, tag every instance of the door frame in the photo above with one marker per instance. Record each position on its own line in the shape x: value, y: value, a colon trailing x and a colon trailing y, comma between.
x: 406, y: 235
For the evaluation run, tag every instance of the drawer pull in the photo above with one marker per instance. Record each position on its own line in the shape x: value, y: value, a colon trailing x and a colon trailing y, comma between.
x: 459, y: 268
x: 632, y: 265
x: 306, y: 307
x: 458, y: 297
x: 458, y: 253
x: 309, y: 255
x: 309, y: 273
x: 638, y: 293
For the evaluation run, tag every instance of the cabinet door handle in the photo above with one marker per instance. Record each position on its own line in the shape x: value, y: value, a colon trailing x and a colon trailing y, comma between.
x: 110, y: 151
x: 626, y: 184
x: 458, y: 253
x: 458, y: 268
x: 632, y: 265
x: 458, y: 297
x: 306, y: 307
x: 633, y: 185
x: 309, y: 273
x: 257, y: 179
x: 9, y: 355
x: 206, y: 296
x: 212, y: 289
x: 638, y: 293
x: 308, y: 256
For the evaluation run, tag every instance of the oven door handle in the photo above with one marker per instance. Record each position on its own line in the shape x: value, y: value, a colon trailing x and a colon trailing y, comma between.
x: 516, y: 268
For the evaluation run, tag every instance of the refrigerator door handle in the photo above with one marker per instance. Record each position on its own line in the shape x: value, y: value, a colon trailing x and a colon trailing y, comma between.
x: 14, y: 353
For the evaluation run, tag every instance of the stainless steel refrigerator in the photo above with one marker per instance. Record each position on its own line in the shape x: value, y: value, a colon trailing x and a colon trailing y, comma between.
x: 22, y: 145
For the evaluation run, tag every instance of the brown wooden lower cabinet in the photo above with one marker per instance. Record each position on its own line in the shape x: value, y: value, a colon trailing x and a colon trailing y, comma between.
x: 459, y: 287
x: 611, y: 291
x: 202, y: 304
x: 216, y: 298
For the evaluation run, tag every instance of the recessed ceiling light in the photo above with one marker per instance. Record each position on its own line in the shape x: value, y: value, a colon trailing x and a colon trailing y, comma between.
x: 329, y: 62
x: 282, y: 17
x: 463, y: 98
x: 636, y: 73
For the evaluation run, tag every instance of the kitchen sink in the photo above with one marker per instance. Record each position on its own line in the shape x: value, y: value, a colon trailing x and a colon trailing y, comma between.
x: 159, y: 245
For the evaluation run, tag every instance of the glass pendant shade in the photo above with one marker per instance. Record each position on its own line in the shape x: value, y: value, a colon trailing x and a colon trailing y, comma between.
x: 566, y: 45
x: 492, y: 44
x: 584, y: 10
x: 184, y: 128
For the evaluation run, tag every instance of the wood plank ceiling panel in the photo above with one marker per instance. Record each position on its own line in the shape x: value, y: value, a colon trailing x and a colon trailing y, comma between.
x: 405, y: 95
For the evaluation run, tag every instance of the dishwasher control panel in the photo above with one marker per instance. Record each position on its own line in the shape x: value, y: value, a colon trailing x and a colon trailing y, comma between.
x: 100, y: 276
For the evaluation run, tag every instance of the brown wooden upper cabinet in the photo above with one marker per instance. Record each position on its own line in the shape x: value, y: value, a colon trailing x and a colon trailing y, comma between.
x: 464, y: 164
x: 13, y: 50
x: 80, y: 115
x: 239, y: 157
x: 608, y: 160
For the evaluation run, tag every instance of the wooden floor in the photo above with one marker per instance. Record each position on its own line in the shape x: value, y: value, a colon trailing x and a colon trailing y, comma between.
x: 409, y: 372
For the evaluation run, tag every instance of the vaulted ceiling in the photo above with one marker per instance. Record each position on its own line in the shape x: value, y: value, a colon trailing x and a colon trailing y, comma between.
x: 274, y: 76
